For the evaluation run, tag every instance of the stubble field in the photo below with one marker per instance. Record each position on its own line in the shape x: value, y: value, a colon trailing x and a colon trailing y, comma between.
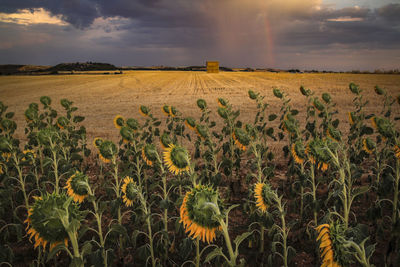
x: 101, y: 97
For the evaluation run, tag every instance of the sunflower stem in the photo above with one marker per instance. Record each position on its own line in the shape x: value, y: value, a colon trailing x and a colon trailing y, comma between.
x: 396, y: 192
x: 198, y: 252
x: 232, y: 255
x: 21, y: 180
x: 262, y: 230
x: 55, y: 165
x: 314, y: 193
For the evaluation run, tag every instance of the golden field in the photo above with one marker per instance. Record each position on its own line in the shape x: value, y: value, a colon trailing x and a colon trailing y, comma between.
x: 100, y: 97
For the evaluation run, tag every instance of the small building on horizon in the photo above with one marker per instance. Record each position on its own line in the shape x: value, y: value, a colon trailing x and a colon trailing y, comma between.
x: 212, y: 66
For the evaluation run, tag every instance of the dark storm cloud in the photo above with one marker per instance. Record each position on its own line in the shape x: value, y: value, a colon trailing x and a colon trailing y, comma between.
x: 184, y: 32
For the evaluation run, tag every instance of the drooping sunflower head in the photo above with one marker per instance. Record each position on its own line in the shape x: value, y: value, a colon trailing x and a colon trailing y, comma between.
x: 330, y: 238
x: 165, y: 110
x: 304, y: 91
x: 317, y: 152
x: 318, y: 105
x: 173, y: 111
x: 277, y: 93
x: 177, y: 159
x: 196, y: 214
x: 222, y: 102
x: 397, y: 151
x: 333, y: 133
x: 45, y: 100
x: 252, y: 95
x: 223, y: 113
x: 107, y: 150
x: 97, y: 141
x: 260, y: 194
x: 30, y: 114
x: 354, y: 88
x: 149, y: 154
x: 201, y: 130
x: 62, y: 122
x: 129, y: 191
x: 77, y: 186
x: 298, y: 152
x: 202, y: 104
x: 352, y: 118
x: 119, y: 121
x: 165, y: 140
x: 241, y: 138
x: 43, y: 222
x: 369, y: 145
x: 251, y: 131
x: 191, y: 123
x: 133, y: 124
x: 379, y: 91
x: 326, y: 97
x: 145, y: 111
x: 126, y: 134
x: 289, y: 126
x: 29, y: 155
x: 383, y: 126
x: 8, y: 125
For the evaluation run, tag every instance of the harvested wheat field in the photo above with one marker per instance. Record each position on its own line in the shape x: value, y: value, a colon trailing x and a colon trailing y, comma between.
x: 319, y: 167
x: 101, y: 97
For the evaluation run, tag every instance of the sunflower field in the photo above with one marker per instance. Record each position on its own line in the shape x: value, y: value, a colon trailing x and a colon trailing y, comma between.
x: 205, y: 191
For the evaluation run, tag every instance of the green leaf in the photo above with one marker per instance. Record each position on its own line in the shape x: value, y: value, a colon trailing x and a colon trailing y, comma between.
x: 360, y: 190
x: 86, y: 248
x: 215, y: 253
x: 240, y: 238
x: 78, y: 119
x: 55, y: 250
x: 119, y: 229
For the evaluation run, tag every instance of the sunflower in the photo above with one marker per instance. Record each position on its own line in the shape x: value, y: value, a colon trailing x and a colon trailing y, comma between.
x: 6, y: 156
x: 317, y: 153
x: 351, y: 117
x: 29, y: 155
x: 259, y: 194
x: 149, y: 154
x: 222, y: 102
x: 190, y: 123
x: 165, y: 110
x: 62, y: 122
x: 298, y: 152
x: 127, y: 134
x: 1, y: 169
x: 177, y: 159
x: 43, y: 223
x: 107, y: 150
x: 172, y: 111
x: 240, y: 138
x: 133, y: 124
x: 373, y: 122
x: 197, y: 219
x: 77, y: 187
x: 97, y: 142
x: 368, y: 145
x: 202, y: 104
x: 326, y: 246
x: 383, y: 126
x: 318, y: 105
x: 201, y: 130
x: 30, y: 114
x: 333, y: 134
x: 397, y: 151
x: 144, y: 111
x: 129, y: 190
x: 119, y: 121
x: 165, y: 140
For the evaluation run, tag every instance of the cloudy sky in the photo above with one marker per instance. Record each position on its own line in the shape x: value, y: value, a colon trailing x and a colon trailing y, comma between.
x: 304, y: 34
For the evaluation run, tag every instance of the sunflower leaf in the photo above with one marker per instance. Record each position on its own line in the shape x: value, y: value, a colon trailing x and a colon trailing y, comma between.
x: 215, y: 253
x: 240, y: 238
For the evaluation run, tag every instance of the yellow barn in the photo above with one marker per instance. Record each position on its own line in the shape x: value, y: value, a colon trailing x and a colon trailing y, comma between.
x: 212, y: 66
